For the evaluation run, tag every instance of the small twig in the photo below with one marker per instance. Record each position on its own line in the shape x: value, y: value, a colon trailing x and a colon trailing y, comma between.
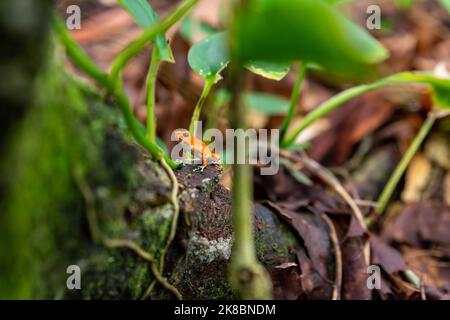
x: 423, y: 294
x: 338, y: 258
x: 366, y: 203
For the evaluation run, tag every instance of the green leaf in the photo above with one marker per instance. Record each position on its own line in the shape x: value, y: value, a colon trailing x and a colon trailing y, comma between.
x: 210, y: 56
x: 270, y: 70
x: 221, y: 97
x: 267, y: 104
x: 334, y: 2
x: 307, y: 30
x: 404, y: 4
x: 189, y: 26
x: 298, y: 146
x: 446, y: 4
x: 440, y: 87
x: 146, y: 18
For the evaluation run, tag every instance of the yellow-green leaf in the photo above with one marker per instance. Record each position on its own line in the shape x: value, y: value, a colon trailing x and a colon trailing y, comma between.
x: 271, y: 70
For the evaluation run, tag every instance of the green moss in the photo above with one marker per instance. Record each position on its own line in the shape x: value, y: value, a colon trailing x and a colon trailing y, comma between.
x: 38, y: 231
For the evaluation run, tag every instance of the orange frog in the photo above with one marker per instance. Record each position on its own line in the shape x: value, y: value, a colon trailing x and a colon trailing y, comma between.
x: 198, y: 147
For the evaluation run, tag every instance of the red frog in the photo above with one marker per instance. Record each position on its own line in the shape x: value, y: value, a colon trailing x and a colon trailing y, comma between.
x: 197, y: 147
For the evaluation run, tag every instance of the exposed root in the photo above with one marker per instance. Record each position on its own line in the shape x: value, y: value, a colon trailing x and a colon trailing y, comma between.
x: 95, y: 232
x: 176, y: 211
x: 123, y: 243
x: 89, y: 199
x: 173, y: 230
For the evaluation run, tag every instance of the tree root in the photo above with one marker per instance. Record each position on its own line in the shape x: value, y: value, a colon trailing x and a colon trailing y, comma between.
x: 121, y: 243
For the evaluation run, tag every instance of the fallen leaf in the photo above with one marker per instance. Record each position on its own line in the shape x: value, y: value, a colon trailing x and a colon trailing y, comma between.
x: 416, y: 179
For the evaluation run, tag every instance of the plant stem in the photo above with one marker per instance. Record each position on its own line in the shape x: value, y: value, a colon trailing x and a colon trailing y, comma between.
x: 294, y: 99
x: 329, y: 106
x: 247, y: 276
x: 137, y: 45
x: 403, y: 165
x: 151, y: 84
x: 133, y: 126
x: 209, y: 83
x: 81, y: 59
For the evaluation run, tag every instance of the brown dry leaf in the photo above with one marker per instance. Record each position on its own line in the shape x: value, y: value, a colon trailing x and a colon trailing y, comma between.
x: 437, y: 149
x: 435, y: 274
x: 447, y: 189
x: 425, y: 221
x: 314, y: 285
x: 354, y: 277
x: 386, y: 256
x: 314, y: 233
x: 314, y: 262
x: 417, y: 176
x: 286, y: 282
x: 103, y: 26
x: 402, y: 48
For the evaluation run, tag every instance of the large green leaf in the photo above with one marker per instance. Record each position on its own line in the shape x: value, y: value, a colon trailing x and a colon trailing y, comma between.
x: 146, y: 17
x: 440, y: 87
x: 307, y: 30
x: 446, y: 4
